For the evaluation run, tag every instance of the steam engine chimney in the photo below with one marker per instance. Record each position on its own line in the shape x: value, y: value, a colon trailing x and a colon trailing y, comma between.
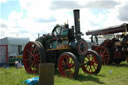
x: 77, y: 22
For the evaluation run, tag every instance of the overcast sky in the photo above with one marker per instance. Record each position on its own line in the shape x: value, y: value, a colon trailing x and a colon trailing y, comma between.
x: 27, y: 18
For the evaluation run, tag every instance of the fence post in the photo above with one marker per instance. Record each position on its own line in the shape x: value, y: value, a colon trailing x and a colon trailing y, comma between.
x: 46, y: 76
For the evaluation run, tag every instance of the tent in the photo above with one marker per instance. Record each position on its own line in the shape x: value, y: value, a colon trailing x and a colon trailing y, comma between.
x: 11, y: 49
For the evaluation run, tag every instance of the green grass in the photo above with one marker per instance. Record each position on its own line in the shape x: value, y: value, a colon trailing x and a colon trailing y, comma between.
x: 119, y: 76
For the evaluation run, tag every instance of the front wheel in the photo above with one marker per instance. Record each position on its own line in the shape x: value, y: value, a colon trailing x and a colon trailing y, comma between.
x: 68, y: 65
x: 91, y: 63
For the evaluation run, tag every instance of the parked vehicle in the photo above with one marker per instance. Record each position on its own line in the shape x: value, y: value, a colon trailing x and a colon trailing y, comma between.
x: 113, y: 49
x: 64, y: 47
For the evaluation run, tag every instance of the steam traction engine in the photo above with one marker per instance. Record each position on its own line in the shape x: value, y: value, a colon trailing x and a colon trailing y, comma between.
x: 65, y: 48
x: 114, y: 49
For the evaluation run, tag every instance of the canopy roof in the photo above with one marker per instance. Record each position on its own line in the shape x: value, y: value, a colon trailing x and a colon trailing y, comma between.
x: 13, y: 41
x: 109, y: 30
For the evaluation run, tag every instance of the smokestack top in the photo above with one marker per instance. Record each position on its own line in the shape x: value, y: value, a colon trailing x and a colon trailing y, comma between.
x: 77, y: 22
x: 76, y: 10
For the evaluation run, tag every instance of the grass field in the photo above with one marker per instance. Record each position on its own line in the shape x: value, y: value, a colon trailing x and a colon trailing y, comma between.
x: 109, y: 75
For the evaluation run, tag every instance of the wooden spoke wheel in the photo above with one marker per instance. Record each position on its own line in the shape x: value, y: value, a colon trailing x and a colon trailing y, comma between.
x: 31, y: 57
x: 91, y: 63
x: 68, y: 65
x: 104, y: 53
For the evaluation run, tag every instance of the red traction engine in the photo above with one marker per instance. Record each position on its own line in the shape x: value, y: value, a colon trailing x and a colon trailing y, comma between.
x: 114, y: 49
x: 65, y: 48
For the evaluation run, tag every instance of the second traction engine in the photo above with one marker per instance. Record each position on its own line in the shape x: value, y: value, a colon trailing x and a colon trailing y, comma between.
x: 112, y: 50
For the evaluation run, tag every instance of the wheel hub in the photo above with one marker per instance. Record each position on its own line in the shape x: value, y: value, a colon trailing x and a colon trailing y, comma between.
x: 90, y: 63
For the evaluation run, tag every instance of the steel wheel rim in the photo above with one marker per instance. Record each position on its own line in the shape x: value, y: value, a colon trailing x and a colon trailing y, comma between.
x: 90, y: 63
x: 66, y: 66
x: 103, y: 52
x: 31, y: 57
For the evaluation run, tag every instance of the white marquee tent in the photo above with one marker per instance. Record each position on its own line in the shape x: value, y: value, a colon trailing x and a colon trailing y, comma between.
x: 11, y: 48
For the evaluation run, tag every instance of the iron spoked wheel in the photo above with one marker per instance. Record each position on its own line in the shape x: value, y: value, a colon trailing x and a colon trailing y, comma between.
x: 68, y: 65
x: 104, y: 53
x: 92, y: 63
x: 31, y: 57
x: 82, y: 47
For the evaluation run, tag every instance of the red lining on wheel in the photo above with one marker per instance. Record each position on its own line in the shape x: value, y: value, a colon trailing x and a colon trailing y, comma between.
x: 92, y: 64
x: 103, y: 52
x: 66, y: 67
x: 31, y: 58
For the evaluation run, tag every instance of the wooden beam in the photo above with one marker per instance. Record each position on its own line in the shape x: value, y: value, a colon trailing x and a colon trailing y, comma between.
x: 109, y: 30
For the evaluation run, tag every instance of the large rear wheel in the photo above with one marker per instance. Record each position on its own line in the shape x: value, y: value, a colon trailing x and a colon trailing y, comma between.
x: 92, y: 63
x: 68, y: 65
x: 31, y: 57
